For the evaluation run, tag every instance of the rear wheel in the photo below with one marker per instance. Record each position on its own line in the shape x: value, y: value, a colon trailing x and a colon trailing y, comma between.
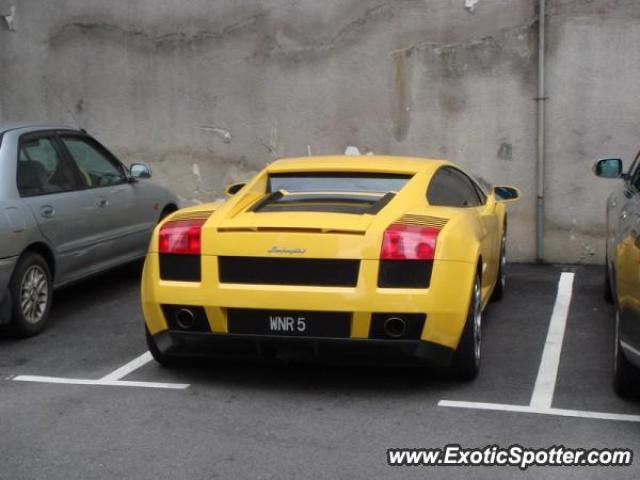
x: 626, y: 376
x: 31, y: 289
x: 466, y: 363
x: 168, y: 210
x: 501, y: 282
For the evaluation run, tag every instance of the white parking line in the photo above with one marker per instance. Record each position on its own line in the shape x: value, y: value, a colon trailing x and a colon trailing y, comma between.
x: 125, y: 370
x: 109, y: 383
x: 542, y: 411
x: 112, y: 379
x: 542, y: 396
x: 548, y: 372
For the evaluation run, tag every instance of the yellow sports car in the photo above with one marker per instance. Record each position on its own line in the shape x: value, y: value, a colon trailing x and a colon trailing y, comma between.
x: 374, y: 258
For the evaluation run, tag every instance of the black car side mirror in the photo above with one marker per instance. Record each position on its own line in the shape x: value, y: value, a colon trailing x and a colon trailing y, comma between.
x: 506, y: 194
x: 232, y: 189
x: 608, y: 168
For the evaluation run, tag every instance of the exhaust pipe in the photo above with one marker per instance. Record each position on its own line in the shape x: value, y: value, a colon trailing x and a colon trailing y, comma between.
x: 185, y: 318
x: 395, y: 327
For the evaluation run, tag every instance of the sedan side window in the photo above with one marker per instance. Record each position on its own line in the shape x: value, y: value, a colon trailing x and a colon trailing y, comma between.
x: 450, y: 187
x: 95, y: 167
x: 41, y: 170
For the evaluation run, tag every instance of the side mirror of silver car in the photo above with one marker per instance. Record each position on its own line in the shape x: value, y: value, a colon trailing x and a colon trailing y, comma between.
x: 608, y: 168
x: 140, y: 170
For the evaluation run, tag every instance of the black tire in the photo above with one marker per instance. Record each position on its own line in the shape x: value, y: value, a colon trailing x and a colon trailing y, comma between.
x: 466, y: 360
x: 167, y: 361
x: 31, y: 290
x: 626, y: 376
x: 501, y: 281
x: 168, y: 210
x: 607, y: 292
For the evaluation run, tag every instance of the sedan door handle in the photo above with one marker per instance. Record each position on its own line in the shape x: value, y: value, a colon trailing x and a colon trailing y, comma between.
x: 47, y: 211
x: 102, y: 202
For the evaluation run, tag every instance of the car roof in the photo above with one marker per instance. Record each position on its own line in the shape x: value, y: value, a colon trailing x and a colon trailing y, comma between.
x: 349, y: 163
x: 33, y: 126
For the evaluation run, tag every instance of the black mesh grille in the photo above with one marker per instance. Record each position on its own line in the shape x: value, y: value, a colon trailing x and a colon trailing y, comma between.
x: 185, y: 268
x: 405, y: 273
x: 289, y: 271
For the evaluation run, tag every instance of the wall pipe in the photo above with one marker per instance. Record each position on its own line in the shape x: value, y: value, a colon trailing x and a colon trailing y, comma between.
x: 541, y: 98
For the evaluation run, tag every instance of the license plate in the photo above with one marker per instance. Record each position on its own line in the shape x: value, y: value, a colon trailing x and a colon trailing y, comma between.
x: 288, y: 323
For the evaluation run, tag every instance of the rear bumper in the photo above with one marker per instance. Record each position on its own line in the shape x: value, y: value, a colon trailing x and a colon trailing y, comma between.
x: 445, y: 302
x: 7, y: 266
x: 366, y: 351
x: 6, y: 270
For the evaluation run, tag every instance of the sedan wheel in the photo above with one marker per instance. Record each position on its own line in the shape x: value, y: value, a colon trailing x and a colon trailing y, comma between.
x: 31, y: 291
x: 34, y: 294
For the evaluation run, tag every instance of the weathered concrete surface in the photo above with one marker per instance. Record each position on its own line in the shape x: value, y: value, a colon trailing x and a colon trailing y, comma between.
x: 208, y: 92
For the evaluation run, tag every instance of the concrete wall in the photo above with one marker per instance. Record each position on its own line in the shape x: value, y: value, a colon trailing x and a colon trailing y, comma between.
x: 209, y: 91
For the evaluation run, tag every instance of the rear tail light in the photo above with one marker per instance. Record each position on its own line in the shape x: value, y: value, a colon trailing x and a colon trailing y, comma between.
x: 409, y: 242
x: 181, y: 237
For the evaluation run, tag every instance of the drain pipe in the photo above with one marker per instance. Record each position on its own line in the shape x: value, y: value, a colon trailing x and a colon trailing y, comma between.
x: 541, y: 142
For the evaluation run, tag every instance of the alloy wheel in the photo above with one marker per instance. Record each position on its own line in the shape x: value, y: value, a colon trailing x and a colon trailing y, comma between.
x: 477, y: 322
x: 34, y: 294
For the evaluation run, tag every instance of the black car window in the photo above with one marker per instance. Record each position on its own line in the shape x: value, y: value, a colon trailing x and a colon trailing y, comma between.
x: 480, y: 192
x: 337, y: 182
x: 450, y: 187
x: 42, y: 170
x: 96, y: 168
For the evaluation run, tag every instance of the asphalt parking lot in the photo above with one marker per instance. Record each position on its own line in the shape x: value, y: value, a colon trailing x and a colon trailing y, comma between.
x: 248, y: 420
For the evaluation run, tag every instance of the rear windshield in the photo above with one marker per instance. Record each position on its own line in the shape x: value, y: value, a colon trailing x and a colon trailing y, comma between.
x: 351, y: 193
x: 337, y: 182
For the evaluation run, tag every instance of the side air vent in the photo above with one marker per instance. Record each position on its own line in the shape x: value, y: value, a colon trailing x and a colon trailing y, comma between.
x: 192, y: 215
x: 423, y: 220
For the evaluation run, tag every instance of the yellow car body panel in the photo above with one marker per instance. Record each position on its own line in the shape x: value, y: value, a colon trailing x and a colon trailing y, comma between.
x: 469, y: 241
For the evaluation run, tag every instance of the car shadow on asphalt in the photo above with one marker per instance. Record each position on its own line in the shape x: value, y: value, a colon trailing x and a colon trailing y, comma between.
x: 85, y: 296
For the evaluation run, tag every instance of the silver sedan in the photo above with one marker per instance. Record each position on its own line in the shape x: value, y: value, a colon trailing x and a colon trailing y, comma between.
x: 68, y: 209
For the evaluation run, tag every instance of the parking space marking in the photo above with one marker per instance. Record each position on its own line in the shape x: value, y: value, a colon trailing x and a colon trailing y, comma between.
x: 125, y: 370
x: 113, y: 379
x: 542, y: 411
x: 542, y: 395
x: 110, y: 383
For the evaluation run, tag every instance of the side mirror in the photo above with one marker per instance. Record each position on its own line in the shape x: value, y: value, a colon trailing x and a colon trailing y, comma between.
x: 504, y: 193
x: 608, y: 168
x: 140, y: 170
x: 232, y: 189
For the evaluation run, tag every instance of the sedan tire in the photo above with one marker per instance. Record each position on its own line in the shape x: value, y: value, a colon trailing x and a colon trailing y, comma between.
x: 608, y: 294
x: 31, y: 290
x: 626, y: 376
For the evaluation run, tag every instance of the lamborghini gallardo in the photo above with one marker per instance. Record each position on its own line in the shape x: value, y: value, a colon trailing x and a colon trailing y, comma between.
x: 373, y: 258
